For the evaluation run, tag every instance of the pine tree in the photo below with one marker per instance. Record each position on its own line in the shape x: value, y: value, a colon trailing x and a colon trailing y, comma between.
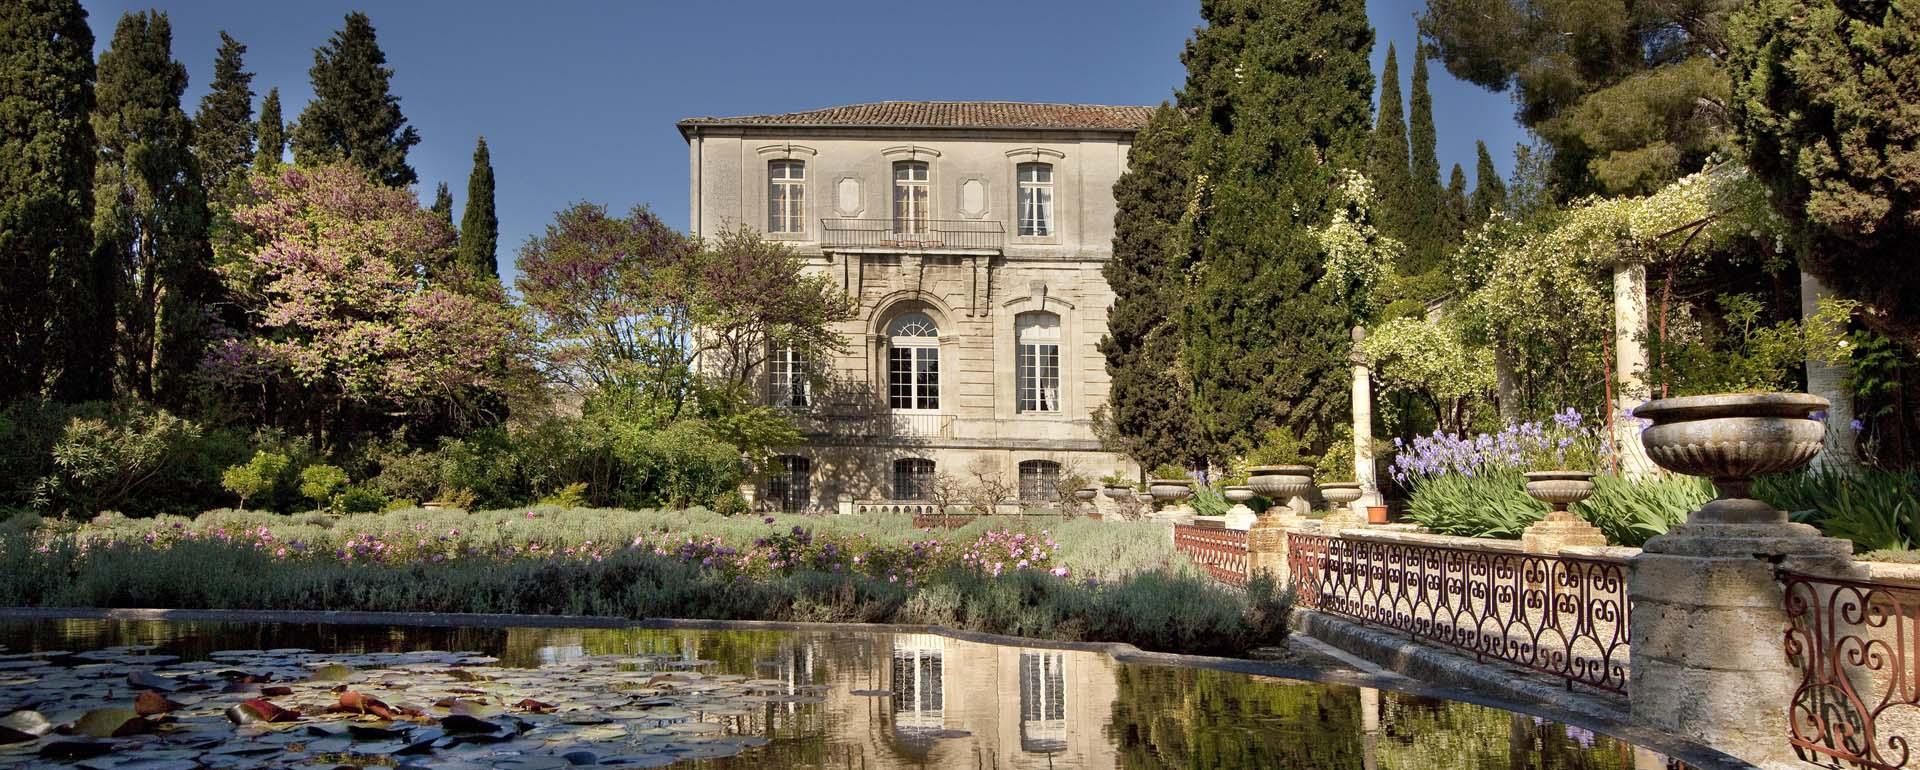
x: 223, y: 128
x: 46, y: 186
x: 1489, y: 193
x: 150, y: 212
x: 1430, y: 237
x: 271, y: 147
x: 479, y: 227
x: 1147, y: 414
x: 1266, y: 348
x: 1387, y: 163
x: 1459, y: 210
x: 443, y: 205
x: 354, y: 115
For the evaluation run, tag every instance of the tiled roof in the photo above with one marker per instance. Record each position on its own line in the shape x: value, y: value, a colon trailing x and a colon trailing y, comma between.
x: 1026, y: 115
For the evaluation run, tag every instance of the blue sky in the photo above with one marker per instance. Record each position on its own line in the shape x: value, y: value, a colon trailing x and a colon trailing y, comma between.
x: 578, y: 99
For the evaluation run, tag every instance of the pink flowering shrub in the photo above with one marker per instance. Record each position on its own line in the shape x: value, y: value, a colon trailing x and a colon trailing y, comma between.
x: 1001, y: 550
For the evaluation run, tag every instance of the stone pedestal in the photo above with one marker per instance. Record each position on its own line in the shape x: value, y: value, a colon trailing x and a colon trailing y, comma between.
x: 1267, y: 547
x: 1707, y: 628
x: 1560, y: 529
x: 1240, y: 516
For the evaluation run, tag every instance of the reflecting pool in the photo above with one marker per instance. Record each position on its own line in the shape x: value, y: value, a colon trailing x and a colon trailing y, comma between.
x: 551, y: 698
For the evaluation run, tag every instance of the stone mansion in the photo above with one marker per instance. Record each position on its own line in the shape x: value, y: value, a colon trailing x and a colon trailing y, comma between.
x: 972, y: 235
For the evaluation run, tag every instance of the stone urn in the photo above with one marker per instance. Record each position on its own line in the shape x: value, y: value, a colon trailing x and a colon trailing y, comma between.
x: 1239, y: 516
x: 1340, y: 496
x: 1170, y: 490
x: 1560, y: 528
x: 1730, y: 439
x: 1118, y: 493
x: 1086, y: 495
x: 1286, y: 486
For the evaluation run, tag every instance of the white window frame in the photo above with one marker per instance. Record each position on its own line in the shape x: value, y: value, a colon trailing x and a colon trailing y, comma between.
x: 789, y: 381
x: 913, y: 362
x: 1037, y: 368
x: 786, y: 197
x: 1034, y: 200
x: 912, y: 196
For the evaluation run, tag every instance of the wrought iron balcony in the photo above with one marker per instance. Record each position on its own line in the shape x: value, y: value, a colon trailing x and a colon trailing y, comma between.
x: 964, y: 235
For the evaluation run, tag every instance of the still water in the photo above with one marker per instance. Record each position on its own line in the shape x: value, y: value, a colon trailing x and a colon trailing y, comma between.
x: 724, y: 699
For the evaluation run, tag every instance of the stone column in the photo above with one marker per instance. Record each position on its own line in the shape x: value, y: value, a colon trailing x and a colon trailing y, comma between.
x: 1363, y: 467
x: 1630, y: 358
x: 1830, y: 382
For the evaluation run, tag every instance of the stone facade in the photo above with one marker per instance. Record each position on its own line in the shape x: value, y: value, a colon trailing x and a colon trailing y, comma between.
x: 961, y: 256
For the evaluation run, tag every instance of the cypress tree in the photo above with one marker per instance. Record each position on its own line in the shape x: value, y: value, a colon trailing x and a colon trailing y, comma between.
x: 1489, y: 193
x: 46, y: 185
x: 479, y: 227
x: 1147, y: 414
x: 1430, y: 237
x: 223, y: 128
x: 1459, y: 210
x: 443, y: 205
x: 271, y: 146
x: 150, y: 212
x: 1266, y: 348
x: 1387, y: 154
x: 354, y: 115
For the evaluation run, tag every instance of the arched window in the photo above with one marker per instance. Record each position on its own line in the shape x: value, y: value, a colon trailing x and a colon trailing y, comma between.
x: 790, y: 485
x: 1040, y: 480
x: 788, y: 382
x: 1036, y: 199
x: 913, y: 364
x: 913, y: 479
x: 786, y: 196
x: 910, y: 196
x: 1037, y: 362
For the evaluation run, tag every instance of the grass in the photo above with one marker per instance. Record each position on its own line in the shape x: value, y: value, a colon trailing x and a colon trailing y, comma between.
x: 1126, y: 583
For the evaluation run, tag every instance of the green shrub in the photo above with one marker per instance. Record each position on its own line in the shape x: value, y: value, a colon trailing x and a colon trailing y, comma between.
x: 319, y: 483
x: 1879, y: 510
x: 1629, y: 512
x: 570, y: 496
x: 257, y: 478
x: 359, y: 498
x: 135, y: 459
x: 678, y: 466
x: 1492, y: 504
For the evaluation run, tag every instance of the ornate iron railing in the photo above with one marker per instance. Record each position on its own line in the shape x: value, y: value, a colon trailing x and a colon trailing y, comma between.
x: 1554, y: 614
x: 913, y: 234
x: 1221, y: 552
x: 1854, y: 642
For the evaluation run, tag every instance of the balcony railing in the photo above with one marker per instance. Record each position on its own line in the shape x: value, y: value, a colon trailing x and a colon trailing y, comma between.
x: 1221, y: 552
x: 1854, y: 643
x: 886, y: 425
x: 913, y: 234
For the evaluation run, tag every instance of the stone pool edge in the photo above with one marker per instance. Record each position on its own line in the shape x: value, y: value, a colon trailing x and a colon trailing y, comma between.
x: 1694, y: 755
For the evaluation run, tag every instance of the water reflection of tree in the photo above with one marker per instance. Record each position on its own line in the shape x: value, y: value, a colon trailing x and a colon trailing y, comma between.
x: 1424, y: 734
x: 1180, y: 718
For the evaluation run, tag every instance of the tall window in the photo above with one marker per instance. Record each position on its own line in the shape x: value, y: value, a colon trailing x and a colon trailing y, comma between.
x: 1037, y: 362
x: 1040, y: 480
x: 788, y: 381
x: 1036, y: 199
x: 910, y: 194
x: 786, y: 196
x: 912, y: 479
x: 913, y: 364
x: 791, y: 483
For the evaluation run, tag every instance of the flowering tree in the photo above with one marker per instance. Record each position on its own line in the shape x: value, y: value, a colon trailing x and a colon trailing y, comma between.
x: 1359, y: 256
x: 1428, y: 359
x: 353, y: 311
x: 628, y: 304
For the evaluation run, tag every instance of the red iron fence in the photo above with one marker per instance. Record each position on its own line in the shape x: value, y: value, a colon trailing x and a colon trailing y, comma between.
x: 1558, y: 615
x: 1858, y: 703
x: 1222, y: 552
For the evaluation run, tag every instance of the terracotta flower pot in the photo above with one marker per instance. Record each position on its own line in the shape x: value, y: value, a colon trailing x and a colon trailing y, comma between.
x: 1376, y: 514
x: 1729, y: 439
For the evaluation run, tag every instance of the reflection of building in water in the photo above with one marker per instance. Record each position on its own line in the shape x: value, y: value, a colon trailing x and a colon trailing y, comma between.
x: 1043, y: 702
x: 951, y: 703
x: 919, y: 697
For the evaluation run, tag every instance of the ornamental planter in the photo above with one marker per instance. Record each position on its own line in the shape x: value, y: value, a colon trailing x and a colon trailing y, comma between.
x: 1086, y: 495
x: 1280, y: 483
x: 1560, y: 528
x: 1238, y: 494
x: 1730, y: 438
x: 1559, y: 489
x: 1239, y: 516
x: 1340, y: 496
x: 1119, y: 493
x: 1376, y: 514
x: 1170, y: 490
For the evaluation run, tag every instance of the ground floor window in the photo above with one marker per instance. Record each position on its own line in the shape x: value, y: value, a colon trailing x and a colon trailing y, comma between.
x: 1040, y: 480
x: 790, y: 485
x: 913, y: 479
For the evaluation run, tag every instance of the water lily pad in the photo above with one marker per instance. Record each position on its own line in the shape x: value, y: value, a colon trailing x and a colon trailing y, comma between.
x: 333, y: 672
x: 257, y: 710
x: 111, y: 723
x: 147, y: 680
